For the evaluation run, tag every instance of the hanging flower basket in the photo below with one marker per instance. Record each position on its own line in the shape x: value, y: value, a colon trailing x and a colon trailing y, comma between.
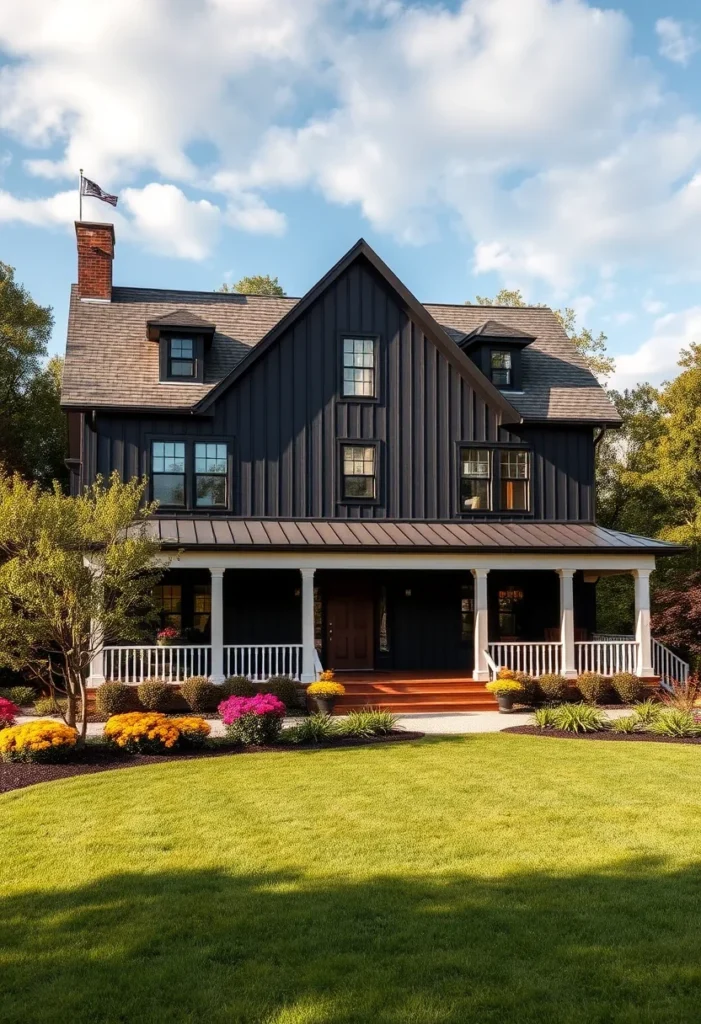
x: 167, y: 636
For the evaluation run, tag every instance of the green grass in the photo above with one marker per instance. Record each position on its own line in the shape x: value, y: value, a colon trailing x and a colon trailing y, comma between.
x: 478, y: 879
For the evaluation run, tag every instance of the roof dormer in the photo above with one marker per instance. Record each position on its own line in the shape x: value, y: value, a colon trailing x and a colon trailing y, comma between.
x: 496, y: 349
x: 183, y: 338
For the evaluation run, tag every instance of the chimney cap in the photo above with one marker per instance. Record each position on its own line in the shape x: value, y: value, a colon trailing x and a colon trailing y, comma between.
x: 94, y: 224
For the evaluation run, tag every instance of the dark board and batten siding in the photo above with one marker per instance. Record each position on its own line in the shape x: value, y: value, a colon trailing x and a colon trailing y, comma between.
x: 285, y: 419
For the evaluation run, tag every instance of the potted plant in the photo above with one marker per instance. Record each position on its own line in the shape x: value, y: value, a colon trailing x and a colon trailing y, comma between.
x: 505, y: 691
x: 166, y: 637
x: 326, y: 692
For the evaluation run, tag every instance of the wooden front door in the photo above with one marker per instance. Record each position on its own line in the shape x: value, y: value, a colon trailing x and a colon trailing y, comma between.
x: 350, y: 640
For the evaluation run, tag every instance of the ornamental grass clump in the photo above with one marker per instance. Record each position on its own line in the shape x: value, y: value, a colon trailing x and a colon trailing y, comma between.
x: 22, y: 696
x: 112, y: 699
x: 142, y: 732
x: 544, y: 718
x: 253, y: 721
x: 199, y: 694
x: 629, y: 687
x: 592, y: 686
x: 154, y: 694
x: 648, y: 711
x: 314, y: 729
x: 553, y: 687
x: 368, y: 722
x: 8, y: 713
x: 579, y: 718
x: 38, y: 741
x: 50, y: 706
x: 673, y: 722
x: 627, y: 725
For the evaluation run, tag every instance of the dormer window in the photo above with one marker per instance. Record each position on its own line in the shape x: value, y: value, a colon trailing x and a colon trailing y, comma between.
x: 181, y: 357
x: 501, y: 367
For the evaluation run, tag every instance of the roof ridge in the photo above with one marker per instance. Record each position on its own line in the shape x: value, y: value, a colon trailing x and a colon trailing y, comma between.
x: 477, y: 305
x: 198, y: 291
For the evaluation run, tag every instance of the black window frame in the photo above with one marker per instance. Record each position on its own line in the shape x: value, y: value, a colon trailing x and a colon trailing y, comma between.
x: 359, y: 336
x: 197, y: 474
x: 495, y: 510
x: 166, y: 375
x: 190, y: 504
x: 488, y: 478
x: 508, y: 383
x: 360, y: 442
x: 503, y: 507
x: 153, y: 456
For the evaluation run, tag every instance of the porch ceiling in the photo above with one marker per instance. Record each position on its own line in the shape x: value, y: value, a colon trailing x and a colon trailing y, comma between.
x: 398, y: 535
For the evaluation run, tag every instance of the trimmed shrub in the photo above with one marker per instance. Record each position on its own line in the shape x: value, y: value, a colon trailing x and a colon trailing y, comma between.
x: 592, y: 686
x: 628, y: 687
x: 38, y: 741
x: 193, y: 730
x: 154, y: 694
x: 253, y: 721
x: 370, y: 722
x: 627, y: 724
x: 579, y: 718
x: 142, y: 732
x: 530, y: 692
x: 544, y: 718
x: 648, y: 711
x: 285, y: 689
x: 199, y: 694
x: 50, y: 706
x: 673, y: 722
x: 313, y: 729
x: 8, y: 713
x: 553, y: 687
x: 22, y: 696
x: 112, y: 699
x: 237, y: 686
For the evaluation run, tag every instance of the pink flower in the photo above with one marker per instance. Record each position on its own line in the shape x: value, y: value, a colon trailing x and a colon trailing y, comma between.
x: 169, y: 633
x: 8, y: 712
x: 262, y: 704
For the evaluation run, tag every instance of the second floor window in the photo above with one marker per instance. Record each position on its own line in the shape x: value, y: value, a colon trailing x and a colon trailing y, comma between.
x: 475, y: 479
x: 358, y: 471
x: 210, y: 474
x: 168, y: 472
x: 359, y: 367
x: 501, y: 369
x: 181, y: 357
x: 514, y: 471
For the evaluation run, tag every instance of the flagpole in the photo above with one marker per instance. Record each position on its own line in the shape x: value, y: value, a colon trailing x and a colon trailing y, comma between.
x: 80, y: 195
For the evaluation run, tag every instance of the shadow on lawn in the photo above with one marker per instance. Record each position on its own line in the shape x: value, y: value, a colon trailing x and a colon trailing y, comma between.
x: 621, y: 945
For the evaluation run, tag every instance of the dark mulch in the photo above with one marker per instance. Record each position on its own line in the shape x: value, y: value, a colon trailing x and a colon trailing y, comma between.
x: 636, y: 737
x: 96, y: 758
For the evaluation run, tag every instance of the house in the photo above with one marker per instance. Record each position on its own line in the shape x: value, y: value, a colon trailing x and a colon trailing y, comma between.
x: 353, y: 480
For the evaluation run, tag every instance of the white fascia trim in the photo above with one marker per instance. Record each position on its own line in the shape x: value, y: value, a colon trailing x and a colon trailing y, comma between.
x: 98, y: 301
x: 364, y: 559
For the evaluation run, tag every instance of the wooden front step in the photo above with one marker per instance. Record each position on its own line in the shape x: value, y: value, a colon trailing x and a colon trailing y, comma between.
x: 413, y: 693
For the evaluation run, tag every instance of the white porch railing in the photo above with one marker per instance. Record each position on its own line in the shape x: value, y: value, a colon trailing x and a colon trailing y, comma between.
x: 606, y: 657
x: 172, y: 664
x: 535, y: 659
x: 260, y: 661
x: 668, y: 666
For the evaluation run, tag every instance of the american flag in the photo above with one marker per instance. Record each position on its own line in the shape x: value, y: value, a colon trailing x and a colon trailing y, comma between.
x: 89, y: 188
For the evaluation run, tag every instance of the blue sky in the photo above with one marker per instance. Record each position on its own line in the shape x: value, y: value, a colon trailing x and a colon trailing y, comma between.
x: 549, y: 145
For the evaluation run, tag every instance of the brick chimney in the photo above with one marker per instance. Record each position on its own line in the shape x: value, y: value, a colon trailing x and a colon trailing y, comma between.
x: 95, y: 255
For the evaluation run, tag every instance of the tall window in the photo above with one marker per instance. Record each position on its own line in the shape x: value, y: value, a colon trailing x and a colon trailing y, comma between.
x: 359, y: 367
x: 501, y: 369
x: 202, y: 606
x: 467, y: 614
x: 475, y: 479
x: 169, y: 602
x: 358, y: 471
x: 211, y: 475
x: 181, y: 357
x: 510, y: 601
x: 168, y: 472
x: 514, y: 470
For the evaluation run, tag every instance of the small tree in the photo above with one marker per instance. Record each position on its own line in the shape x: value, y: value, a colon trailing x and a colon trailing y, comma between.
x: 258, y: 284
x: 676, y: 620
x: 75, y: 572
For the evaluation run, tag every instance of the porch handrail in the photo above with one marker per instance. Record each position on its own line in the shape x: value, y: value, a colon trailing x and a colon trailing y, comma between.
x: 607, y: 657
x: 533, y: 658
x: 260, y: 661
x: 318, y: 667
x: 668, y: 665
x: 133, y: 664
x: 491, y: 665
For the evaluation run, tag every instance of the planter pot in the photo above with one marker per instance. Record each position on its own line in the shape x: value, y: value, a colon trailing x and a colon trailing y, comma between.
x: 164, y: 643
x: 505, y: 701
x: 325, y: 704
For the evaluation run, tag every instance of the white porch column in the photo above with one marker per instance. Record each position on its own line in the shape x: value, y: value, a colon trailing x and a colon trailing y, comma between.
x: 642, y: 622
x: 480, y: 671
x: 308, y: 649
x: 569, y: 664
x: 97, y: 660
x: 217, y: 626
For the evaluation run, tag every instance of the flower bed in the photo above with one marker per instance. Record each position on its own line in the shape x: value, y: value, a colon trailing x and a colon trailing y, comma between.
x: 648, y: 720
x: 253, y: 720
x: 139, y: 732
x: 44, y: 740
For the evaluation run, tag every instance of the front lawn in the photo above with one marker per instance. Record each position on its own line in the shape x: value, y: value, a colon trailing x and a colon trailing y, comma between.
x: 474, y: 879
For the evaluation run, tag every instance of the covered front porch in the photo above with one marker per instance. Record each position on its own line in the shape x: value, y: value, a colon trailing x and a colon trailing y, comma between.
x: 260, y: 615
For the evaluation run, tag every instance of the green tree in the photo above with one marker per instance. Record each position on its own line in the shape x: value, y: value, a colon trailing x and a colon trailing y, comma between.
x: 72, y: 570
x: 591, y: 348
x: 32, y: 426
x: 259, y: 284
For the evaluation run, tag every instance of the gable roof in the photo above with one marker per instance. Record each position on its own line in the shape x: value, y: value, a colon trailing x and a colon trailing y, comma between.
x: 495, y: 329
x: 182, y: 318
x: 361, y: 250
x: 110, y: 363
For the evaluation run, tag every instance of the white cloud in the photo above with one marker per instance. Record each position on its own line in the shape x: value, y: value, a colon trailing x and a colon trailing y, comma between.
x: 624, y: 317
x: 678, y: 42
x: 250, y: 213
x: 653, y: 306
x: 656, y: 359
